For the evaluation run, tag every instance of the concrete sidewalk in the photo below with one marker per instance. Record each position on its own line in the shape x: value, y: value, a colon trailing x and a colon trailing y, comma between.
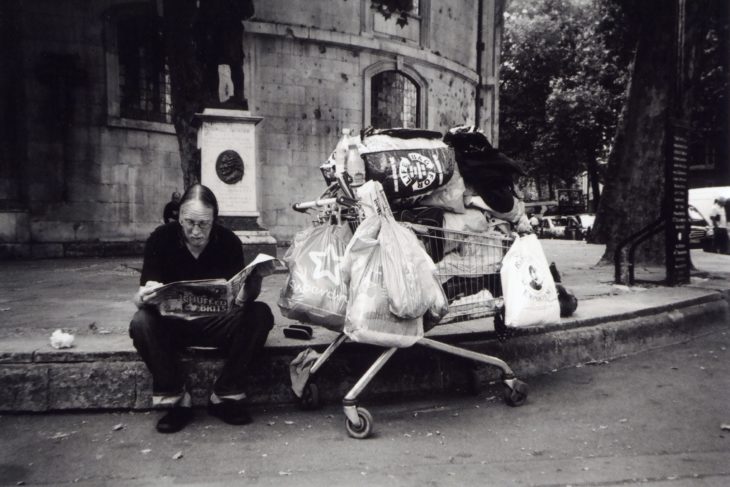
x: 91, y: 299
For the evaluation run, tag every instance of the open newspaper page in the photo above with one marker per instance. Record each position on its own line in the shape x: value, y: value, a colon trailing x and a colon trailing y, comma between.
x: 207, y: 297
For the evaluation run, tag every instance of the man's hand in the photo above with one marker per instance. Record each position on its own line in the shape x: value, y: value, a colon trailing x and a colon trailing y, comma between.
x: 144, y: 292
x: 251, y: 288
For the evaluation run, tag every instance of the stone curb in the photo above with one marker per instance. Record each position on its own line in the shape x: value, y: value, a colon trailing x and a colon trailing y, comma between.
x: 114, y: 378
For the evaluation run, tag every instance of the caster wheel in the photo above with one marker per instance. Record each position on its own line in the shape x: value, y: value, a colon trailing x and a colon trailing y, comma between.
x: 365, y: 428
x: 515, y: 395
x: 310, y: 397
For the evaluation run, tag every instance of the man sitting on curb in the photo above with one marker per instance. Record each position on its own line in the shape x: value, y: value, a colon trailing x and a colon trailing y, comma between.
x: 197, y: 247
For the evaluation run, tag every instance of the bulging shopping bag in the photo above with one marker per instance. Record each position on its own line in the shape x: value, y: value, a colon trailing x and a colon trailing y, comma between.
x: 315, y: 290
x: 405, y: 263
x: 530, y: 296
x: 409, y: 273
x: 369, y: 319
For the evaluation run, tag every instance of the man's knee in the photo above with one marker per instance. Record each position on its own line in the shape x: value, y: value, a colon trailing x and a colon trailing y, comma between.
x: 259, y: 315
x: 142, y: 323
x: 262, y: 314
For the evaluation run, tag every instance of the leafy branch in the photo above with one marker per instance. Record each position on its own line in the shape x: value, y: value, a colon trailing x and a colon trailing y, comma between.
x: 387, y: 8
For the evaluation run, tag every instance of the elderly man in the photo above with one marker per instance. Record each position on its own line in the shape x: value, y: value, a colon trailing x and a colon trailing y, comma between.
x: 196, y: 247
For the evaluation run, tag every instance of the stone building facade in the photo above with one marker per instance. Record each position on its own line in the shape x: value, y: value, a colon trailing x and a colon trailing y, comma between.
x: 89, y: 156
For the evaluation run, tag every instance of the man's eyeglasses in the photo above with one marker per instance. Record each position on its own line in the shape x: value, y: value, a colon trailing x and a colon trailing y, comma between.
x: 203, y: 225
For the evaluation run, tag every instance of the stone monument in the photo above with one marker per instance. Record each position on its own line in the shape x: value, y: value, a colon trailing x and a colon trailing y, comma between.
x: 227, y: 141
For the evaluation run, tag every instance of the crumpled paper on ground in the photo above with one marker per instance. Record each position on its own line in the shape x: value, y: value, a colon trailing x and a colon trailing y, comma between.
x: 61, y: 339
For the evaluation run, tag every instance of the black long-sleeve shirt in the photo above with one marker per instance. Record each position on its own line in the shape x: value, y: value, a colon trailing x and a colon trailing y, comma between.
x: 167, y: 258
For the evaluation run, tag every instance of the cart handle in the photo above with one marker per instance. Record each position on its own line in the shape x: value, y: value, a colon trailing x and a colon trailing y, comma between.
x: 340, y: 200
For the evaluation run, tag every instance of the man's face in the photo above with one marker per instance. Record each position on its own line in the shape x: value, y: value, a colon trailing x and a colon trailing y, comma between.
x: 197, y: 221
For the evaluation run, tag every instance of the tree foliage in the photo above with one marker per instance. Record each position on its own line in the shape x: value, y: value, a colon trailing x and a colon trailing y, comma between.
x: 561, y: 87
x: 387, y: 8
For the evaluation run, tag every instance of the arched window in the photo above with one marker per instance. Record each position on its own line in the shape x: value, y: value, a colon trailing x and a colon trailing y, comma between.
x: 394, y: 100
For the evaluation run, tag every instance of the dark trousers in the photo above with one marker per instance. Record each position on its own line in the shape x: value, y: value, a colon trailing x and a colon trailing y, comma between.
x: 240, y: 335
x: 721, y: 240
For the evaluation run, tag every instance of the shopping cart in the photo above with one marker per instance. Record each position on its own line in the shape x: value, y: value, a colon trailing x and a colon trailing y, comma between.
x: 468, y: 268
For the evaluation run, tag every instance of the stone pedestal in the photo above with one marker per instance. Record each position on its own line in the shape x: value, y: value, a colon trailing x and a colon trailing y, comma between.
x: 227, y: 141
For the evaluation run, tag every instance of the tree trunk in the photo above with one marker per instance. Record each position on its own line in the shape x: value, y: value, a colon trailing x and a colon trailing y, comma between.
x: 634, y: 193
x: 182, y: 47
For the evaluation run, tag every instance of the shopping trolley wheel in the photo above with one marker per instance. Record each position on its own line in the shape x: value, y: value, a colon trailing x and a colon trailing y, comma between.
x: 515, y: 392
x: 364, y: 429
x: 310, y: 397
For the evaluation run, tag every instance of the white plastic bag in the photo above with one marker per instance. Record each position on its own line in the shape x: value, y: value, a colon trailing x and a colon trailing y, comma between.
x: 315, y: 289
x: 372, y: 199
x: 530, y: 296
x: 407, y: 270
x: 368, y: 318
x: 450, y: 196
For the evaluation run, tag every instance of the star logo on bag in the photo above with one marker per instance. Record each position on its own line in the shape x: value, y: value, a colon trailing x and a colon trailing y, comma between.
x: 321, y: 267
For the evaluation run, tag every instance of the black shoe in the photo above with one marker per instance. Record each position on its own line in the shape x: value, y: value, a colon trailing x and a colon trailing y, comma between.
x: 175, y: 420
x: 231, y: 412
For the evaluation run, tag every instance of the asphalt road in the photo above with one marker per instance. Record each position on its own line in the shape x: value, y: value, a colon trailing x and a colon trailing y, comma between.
x: 651, y: 419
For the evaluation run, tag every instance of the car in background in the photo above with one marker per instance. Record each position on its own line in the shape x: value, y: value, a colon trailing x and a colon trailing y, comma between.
x: 556, y: 226
x: 702, y: 200
x: 700, y: 230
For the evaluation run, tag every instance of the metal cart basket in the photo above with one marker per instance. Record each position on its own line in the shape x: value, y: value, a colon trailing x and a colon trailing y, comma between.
x: 468, y: 269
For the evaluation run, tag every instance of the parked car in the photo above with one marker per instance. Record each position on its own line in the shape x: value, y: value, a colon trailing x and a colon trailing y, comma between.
x: 702, y: 200
x: 700, y: 230
x: 555, y: 226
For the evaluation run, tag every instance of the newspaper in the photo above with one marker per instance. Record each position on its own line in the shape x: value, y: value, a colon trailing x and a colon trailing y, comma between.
x: 207, y: 297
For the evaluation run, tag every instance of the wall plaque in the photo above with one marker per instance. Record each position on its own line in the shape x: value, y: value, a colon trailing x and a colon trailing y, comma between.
x: 229, y: 167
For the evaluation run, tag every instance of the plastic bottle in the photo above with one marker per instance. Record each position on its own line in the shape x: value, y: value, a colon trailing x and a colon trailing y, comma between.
x: 355, y: 164
x: 341, y: 152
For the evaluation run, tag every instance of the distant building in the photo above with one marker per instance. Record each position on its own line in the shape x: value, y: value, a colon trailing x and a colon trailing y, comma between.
x: 88, y: 156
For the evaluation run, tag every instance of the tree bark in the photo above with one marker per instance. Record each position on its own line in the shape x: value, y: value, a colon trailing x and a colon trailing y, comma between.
x: 199, y: 35
x: 634, y: 193
x: 183, y: 50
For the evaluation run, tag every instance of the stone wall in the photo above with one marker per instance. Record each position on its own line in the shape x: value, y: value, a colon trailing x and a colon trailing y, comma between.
x: 307, y: 92
x: 87, y: 177
x: 308, y: 73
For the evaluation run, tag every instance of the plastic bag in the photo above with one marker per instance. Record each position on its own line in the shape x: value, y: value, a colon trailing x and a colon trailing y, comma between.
x: 368, y: 318
x: 407, y: 270
x: 407, y: 167
x: 530, y: 295
x: 513, y: 215
x: 372, y: 199
x: 315, y: 289
x: 450, y: 196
